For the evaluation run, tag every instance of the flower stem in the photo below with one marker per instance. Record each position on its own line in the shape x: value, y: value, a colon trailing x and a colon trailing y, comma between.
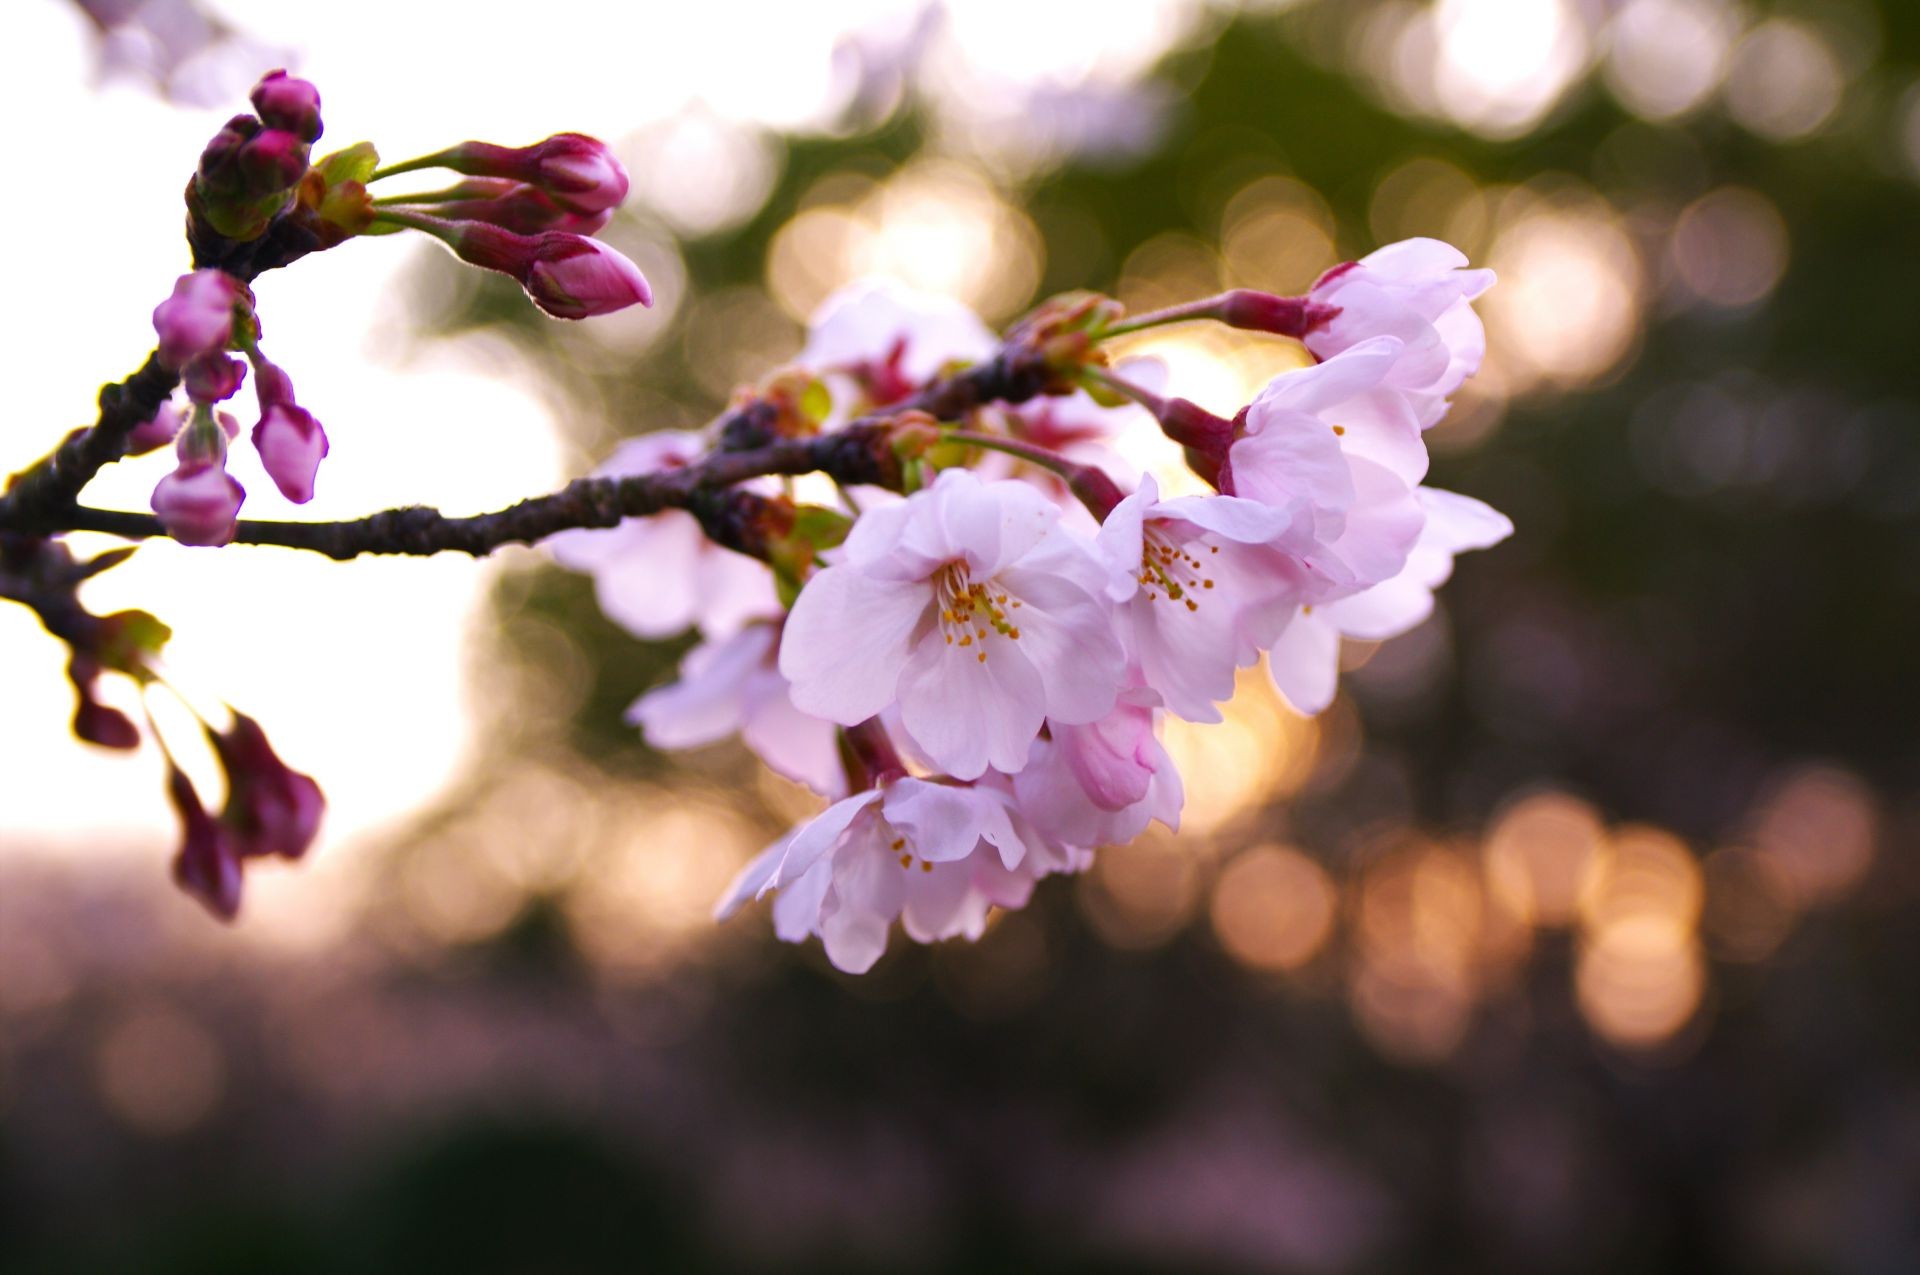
x: 1088, y: 483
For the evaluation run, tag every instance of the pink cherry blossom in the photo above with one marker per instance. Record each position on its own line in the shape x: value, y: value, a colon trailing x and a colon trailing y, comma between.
x: 1305, y: 659
x: 659, y: 576
x: 733, y: 685
x: 1206, y: 583
x: 1341, y: 452
x: 891, y: 338
x: 572, y: 277
x: 1102, y: 783
x: 937, y: 856
x: 968, y: 605
x: 1420, y: 292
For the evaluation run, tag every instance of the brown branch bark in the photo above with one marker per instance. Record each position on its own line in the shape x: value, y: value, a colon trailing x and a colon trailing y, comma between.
x: 859, y: 454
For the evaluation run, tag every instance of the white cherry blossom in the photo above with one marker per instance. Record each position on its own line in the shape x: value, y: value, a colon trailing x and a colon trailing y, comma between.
x: 1341, y: 451
x: 969, y: 606
x: 1305, y: 660
x: 730, y: 685
x: 660, y: 575
x: 1419, y: 291
x: 1205, y: 583
x: 937, y: 856
x: 891, y: 337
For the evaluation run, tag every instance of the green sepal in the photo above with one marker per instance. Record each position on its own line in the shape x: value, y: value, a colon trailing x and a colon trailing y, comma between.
x: 357, y: 163
x: 816, y: 403
x: 128, y: 640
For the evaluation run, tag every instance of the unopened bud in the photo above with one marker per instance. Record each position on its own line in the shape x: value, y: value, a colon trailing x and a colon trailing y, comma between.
x: 567, y: 276
x: 213, y: 378
x: 157, y: 431
x: 579, y: 172
x: 291, y: 445
x: 271, y: 163
x: 208, y: 864
x: 1255, y: 311
x: 198, y: 318
x: 271, y: 808
x: 285, y: 102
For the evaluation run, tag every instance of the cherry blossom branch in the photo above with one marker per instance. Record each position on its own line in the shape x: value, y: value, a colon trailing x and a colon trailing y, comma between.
x: 52, y: 483
x: 860, y: 454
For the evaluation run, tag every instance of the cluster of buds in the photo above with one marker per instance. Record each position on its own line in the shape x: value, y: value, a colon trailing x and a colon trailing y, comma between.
x: 209, y: 314
x: 249, y: 171
x: 976, y: 671
x: 530, y: 212
x: 271, y: 809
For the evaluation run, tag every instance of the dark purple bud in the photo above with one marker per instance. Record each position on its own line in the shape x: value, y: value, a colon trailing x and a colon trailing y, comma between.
x: 101, y: 724
x: 208, y: 865
x: 219, y: 172
x: 271, y: 808
x: 274, y: 161
x: 288, y: 103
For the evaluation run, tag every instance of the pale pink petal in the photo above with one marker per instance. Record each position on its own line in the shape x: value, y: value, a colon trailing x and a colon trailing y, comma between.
x: 1068, y: 635
x: 1312, y: 390
x: 1305, y: 662
x: 847, y: 640
x: 818, y: 836
x: 803, y: 748
x: 969, y: 713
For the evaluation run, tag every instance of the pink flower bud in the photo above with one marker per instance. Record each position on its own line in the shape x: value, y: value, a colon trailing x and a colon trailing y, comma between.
x: 580, y: 173
x: 208, y: 864
x: 153, y: 434
x: 291, y: 444
x: 199, y: 502
x: 198, y: 318
x: 274, y: 161
x: 525, y: 210
x: 213, y: 378
x: 219, y: 172
x: 577, y: 278
x: 577, y: 171
x: 567, y: 276
x: 288, y: 103
x: 271, y: 808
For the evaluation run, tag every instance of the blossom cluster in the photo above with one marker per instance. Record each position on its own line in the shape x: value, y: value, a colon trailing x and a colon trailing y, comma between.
x: 976, y: 673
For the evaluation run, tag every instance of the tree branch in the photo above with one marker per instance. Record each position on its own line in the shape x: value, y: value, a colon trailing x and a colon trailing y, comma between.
x: 860, y: 454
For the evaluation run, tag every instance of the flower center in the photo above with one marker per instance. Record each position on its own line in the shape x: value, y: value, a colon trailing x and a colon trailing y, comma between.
x: 971, y: 611
x: 1171, y: 568
x: 899, y: 847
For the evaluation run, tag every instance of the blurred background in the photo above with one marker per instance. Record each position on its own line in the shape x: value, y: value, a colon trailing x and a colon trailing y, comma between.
x: 1579, y: 934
